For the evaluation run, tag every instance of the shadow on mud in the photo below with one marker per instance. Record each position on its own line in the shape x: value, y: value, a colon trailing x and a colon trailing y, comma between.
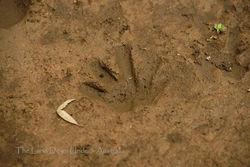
x: 12, y: 11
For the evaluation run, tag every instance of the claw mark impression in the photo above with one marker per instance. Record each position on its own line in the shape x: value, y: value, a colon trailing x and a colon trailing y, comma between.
x: 64, y: 115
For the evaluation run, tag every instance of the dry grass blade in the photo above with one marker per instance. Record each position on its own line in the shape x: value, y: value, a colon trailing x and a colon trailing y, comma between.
x: 64, y: 115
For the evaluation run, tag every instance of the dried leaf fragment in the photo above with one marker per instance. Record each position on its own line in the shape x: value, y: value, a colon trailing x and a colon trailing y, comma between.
x: 64, y: 115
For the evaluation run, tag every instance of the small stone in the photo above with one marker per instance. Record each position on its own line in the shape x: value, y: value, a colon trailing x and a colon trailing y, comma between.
x: 76, y: 2
x: 208, y: 58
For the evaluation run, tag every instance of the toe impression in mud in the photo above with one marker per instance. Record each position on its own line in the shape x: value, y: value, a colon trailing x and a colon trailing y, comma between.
x: 115, y: 81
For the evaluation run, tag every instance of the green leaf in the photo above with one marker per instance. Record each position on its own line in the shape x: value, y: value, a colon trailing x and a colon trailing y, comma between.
x: 219, y: 26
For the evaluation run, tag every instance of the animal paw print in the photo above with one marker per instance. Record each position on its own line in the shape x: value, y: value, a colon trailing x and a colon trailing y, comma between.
x: 114, y: 81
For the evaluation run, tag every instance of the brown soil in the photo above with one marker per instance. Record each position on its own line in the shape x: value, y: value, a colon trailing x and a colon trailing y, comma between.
x: 152, y: 87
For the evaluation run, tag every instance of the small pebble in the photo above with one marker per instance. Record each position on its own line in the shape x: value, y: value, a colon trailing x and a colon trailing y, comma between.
x: 208, y: 58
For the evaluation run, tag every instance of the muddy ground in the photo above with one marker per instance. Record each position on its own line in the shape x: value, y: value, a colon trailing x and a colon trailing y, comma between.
x: 154, y: 83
